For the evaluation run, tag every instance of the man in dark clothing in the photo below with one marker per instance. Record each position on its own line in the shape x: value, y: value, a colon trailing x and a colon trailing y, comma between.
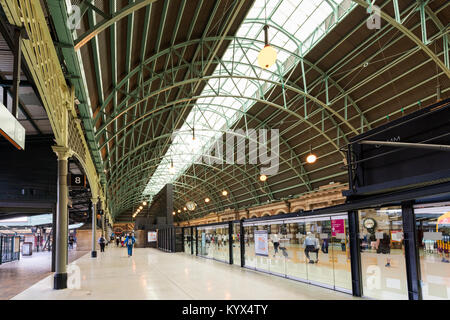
x: 384, y: 247
x: 102, y: 242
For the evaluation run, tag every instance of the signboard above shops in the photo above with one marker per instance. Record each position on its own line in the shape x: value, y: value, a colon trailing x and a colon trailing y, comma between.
x: 411, y: 153
x: 11, y: 128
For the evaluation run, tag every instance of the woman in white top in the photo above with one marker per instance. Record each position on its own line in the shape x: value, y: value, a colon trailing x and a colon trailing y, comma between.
x: 276, y: 243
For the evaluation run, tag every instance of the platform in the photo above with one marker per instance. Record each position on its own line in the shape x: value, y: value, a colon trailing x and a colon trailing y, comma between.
x: 152, y: 274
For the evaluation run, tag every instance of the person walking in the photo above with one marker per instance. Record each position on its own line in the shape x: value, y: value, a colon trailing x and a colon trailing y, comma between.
x: 276, y: 243
x: 129, y: 241
x: 384, y: 247
x: 102, y: 242
x: 117, y: 241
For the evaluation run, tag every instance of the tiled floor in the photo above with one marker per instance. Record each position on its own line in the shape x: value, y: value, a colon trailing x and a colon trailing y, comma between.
x: 152, y: 274
x: 19, y: 275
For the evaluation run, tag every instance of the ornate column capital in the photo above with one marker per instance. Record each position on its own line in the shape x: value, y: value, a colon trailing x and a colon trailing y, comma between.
x: 94, y: 200
x: 63, y: 153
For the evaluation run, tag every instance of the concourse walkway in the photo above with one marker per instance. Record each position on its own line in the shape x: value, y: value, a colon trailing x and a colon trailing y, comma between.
x: 153, y: 274
x: 19, y: 275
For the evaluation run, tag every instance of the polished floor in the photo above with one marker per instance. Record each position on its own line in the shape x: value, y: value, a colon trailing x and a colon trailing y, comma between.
x: 19, y: 275
x: 152, y: 274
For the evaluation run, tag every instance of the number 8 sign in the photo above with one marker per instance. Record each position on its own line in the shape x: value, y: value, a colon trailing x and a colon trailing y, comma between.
x: 77, y: 180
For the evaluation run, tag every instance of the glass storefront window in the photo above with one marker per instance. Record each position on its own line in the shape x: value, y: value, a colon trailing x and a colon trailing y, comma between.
x: 296, y: 263
x: 220, y: 249
x: 204, y: 242
x: 236, y: 239
x: 187, y: 240
x: 250, y: 258
x: 382, y: 253
x: 433, y: 240
x: 314, y: 250
x: 213, y: 242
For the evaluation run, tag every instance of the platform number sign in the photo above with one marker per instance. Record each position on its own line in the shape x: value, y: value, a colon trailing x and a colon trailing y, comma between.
x: 77, y: 180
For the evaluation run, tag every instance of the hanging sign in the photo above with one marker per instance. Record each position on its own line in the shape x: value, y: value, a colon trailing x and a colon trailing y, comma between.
x: 78, y: 180
x: 11, y: 128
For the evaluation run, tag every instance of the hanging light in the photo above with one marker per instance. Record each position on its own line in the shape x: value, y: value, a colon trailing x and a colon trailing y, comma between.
x: 173, y: 213
x: 179, y: 211
x: 184, y: 208
x: 224, y: 193
x: 267, y: 56
x: 207, y: 200
x: 144, y: 203
x: 311, y: 158
x: 263, y: 177
x: 171, y: 168
x: 141, y: 207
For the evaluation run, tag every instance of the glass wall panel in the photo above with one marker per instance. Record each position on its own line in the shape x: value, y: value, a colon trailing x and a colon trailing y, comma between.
x: 341, y: 252
x: 204, y: 242
x: 187, y: 240
x: 262, y: 259
x: 220, y: 249
x: 277, y: 236
x: 236, y: 238
x: 382, y: 253
x: 194, y: 239
x: 250, y: 258
x: 296, y: 259
x: 320, y: 264
x: 433, y: 240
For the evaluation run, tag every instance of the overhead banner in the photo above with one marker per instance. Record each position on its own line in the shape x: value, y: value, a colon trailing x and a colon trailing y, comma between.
x: 261, y: 243
x: 11, y: 128
x: 151, y: 236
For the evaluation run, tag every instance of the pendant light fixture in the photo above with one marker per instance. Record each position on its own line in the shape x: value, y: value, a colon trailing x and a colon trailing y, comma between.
x: 311, y: 158
x: 171, y: 168
x: 267, y: 56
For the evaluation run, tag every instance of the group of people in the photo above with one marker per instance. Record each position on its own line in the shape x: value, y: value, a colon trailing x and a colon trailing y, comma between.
x: 218, y: 239
x: 127, y: 241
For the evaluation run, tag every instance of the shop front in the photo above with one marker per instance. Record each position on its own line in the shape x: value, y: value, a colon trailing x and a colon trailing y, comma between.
x: 393, y: 251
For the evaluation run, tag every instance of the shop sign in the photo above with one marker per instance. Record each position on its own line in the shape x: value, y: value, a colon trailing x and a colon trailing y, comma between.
x: 337, y: 226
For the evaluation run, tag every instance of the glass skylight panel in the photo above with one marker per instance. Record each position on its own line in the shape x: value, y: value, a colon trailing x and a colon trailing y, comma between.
x: 212, y: 116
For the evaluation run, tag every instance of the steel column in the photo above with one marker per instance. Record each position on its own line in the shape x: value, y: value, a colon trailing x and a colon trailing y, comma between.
x: 192, y: 240
x: 94, y: 226
x: 196, y: 241
x: 53, y: 235
x: 412, y: 257
x: 355, y: 253
x: 1, y: 249
x: 242, y: 243
x: 230, y: 241
x: 60, y: 278
x: 16, y: 73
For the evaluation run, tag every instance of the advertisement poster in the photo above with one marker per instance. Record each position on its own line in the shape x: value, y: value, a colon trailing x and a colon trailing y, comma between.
x: 337, y: 226
x: 151, y: 236
x: 397, y: 236
x: 261, y: 243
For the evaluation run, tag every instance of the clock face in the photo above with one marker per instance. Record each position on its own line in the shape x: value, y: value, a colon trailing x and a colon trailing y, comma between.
x: 191, y: 205
x: 369, y: 223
